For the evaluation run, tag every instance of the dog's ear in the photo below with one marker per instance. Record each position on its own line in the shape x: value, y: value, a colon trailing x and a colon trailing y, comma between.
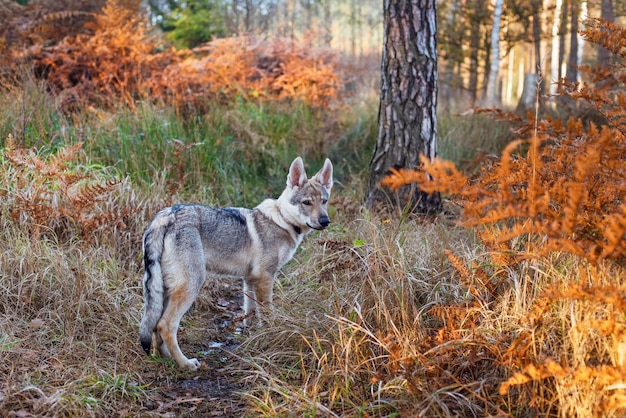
x: 325, y: 175
x: 297, y: 175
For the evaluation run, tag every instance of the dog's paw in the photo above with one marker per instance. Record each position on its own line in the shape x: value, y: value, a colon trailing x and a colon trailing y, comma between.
x: 191, y: 364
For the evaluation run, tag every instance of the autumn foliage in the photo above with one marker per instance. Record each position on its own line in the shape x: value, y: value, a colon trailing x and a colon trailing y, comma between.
x: 251, y: 68
x: 560, y: 187
x: 557, y: 191
x: 56, y: 193
x: 103, y: 67
x: 116, y: 59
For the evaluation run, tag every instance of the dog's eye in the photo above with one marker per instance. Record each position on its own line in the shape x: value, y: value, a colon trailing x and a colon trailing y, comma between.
x: 307, y: 203
x: 324, y: 201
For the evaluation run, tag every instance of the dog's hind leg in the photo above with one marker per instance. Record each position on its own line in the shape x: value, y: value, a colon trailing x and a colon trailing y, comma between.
x: 181, y: 293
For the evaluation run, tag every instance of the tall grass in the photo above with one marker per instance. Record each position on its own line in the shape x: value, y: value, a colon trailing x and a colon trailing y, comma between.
x: 358, y: 300
x: 468, y: 139
x: 374, y: 317
x: 33, y: 115
x: 234, y: 155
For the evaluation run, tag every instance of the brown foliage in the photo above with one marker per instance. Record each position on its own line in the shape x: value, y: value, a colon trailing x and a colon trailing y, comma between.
x: 47, y: 193
x: 103, y: 67
x: 562, y: 190
x: 559, y: 188
x: 602, y: 332
x: 115, y: 58
x: 251, y: 68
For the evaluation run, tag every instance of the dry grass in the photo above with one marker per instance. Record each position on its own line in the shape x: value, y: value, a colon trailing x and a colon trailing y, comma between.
x: 68, y: 314
x: 374, y: 317
x: 379, y: 321
x: 70, y: 296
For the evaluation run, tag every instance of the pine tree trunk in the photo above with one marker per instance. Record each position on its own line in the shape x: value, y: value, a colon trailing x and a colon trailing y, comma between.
x: 407, y: 112
x: 327, y: 24
x: 554, y: 55
x: 537, y: 7
x: 447, y: 85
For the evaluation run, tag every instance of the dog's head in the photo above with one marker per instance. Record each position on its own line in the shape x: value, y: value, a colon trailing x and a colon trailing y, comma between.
x: 308, y: 198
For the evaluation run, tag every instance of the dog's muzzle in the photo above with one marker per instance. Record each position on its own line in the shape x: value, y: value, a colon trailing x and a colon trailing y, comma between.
x: 323, y: 222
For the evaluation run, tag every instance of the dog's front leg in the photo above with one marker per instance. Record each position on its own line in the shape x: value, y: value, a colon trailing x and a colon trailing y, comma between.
x: 249, y: 300
x: 257, y: 296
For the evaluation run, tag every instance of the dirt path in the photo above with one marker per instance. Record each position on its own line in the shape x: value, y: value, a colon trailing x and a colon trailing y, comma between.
x: 212, y: 336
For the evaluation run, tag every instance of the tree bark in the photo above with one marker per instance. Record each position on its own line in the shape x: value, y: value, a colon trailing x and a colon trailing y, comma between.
x: 562, y: 32
x: 554, y: 55
x: 408, y: 99
x: 572, y: 63
x: 529, y: 94
x: 472, y: 84
x: 604, y: 58
x: 452, y: 55
x: 490, y: 97
x: 537, y: 7
x: 327, y: 25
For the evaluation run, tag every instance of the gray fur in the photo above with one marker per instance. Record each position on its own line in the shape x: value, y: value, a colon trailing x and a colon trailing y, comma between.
x: 185, y: 242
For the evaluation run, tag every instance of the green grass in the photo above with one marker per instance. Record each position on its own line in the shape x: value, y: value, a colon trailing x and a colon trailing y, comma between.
x: 463, y: 139
x: 234, y: 155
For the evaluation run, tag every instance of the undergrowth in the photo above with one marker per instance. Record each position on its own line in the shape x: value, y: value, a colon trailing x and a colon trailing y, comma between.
x: 553, y: 207
x: 518, y: 310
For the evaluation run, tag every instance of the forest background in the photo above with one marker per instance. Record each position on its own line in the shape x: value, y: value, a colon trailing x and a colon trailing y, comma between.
x: 511, y: 302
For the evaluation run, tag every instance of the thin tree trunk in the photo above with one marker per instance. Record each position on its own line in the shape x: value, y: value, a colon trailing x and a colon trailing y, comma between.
x: 327, y: 24
x: 353, y: 27
x: 581, y: 40
x: 537, y: 6
x: 289, y: 17
x: 490, y: 98
x: 487, y: 65
x: 554, y: 58
x: 562, y: 32
x: 451, y: 57
x: 607, y: 14
x: 572, y: 63
x: 472, y: 84
x: 408, y: 99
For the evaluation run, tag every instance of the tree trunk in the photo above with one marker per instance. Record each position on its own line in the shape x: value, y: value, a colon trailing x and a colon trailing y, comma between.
x: 353, y: 27
x: 408, y: 99
x: 554, y: 58
x: 562, y: 32
x: 529, y: 94
x: 447, y: 86
x: 472, y: 84
x: 490, y: 97
x: 290, y: 19
x: 607, y: 14
x: 582, y: 16
x: 537, y: 6
x: 327, y: 24
x: 572, y: 63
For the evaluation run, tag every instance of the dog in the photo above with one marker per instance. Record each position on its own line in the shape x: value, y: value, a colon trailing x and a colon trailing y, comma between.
x: 185, y: 243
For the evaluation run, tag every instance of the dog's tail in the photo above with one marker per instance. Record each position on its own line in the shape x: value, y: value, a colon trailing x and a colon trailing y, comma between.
x: 153, y: 289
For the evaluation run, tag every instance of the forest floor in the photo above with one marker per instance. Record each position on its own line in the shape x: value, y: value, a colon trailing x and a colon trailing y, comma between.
x: 212, y: 336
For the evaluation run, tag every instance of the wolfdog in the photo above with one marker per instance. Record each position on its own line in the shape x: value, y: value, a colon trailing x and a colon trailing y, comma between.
x: 184, y: 243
